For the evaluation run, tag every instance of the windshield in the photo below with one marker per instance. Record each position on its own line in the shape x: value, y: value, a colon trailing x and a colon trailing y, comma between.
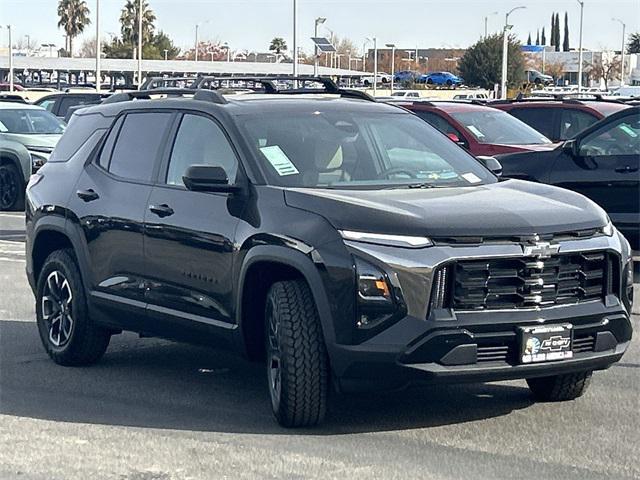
x: 26, y: 121
x: 346, y: 149
x: 498, y: 127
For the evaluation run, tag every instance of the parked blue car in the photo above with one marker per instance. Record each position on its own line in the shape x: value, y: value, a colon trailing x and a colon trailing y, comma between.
x: 406, y: 76
x: 440, y: 78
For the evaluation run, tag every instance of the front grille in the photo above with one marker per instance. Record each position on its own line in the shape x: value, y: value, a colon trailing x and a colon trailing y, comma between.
x: 526, y: 282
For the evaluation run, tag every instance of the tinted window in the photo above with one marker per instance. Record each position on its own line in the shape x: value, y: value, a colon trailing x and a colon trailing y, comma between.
x: 540, y: 119
x: 573, y: 121
x: 444, y: 126
x: 138, y: 145
x: 105, y: 154
x: 68, y: 102
x: 47, y: 104
x: 200, y: 141
x: 77, y: 133
x: 497, y: 127
x: 621, y: 137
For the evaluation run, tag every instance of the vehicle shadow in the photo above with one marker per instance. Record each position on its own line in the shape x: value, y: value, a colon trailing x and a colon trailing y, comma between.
x: 154, y: 383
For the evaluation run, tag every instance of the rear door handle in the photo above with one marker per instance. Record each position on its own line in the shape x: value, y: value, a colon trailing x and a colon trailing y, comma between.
x: 88, y: 195
x: 162, y: 211
x: 626, y: 169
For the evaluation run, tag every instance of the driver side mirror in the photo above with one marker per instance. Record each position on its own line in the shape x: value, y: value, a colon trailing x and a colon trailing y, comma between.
x: 570, y: 147
x: 208, y: 178
x: 492, y: 164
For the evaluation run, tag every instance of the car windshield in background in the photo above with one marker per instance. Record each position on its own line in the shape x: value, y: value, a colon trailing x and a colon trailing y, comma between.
x: 499, y: 128
x: 358, y: 150
x: 26, y: 121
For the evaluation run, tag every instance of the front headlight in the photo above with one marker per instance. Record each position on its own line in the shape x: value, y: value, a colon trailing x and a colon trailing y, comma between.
x: 375, y: 297
x: 37, y: 161
x: 403, y: 241
x: 608, y: 229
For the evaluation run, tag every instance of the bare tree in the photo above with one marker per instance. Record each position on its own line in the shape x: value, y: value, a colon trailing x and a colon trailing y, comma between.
x: 88, y: 48
x: 605, y: 69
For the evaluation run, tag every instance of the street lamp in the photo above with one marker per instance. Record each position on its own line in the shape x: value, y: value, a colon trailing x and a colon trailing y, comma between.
x: 10, y: 60
x: 505, y: 51
x: 375, y: 64
x: 624, y: 27
x: 392, y: 46
x: 319, y: 21
x: 166, y: 52
x: 139, y: 44
x: 98, y: 48
x: 197, y: 41
x: 581, y: 2
x: 486, y: 24
x: 295, y: 40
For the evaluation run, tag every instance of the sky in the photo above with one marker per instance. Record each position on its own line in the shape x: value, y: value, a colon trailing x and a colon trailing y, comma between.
x: 251, y: 24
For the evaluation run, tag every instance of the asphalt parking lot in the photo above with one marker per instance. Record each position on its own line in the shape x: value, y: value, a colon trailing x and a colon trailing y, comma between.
x: 154, y: 409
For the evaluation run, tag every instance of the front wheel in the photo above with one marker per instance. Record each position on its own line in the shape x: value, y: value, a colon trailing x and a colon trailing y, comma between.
x: 297, y: 362
x: 11, y: 188
x: 560, y: 388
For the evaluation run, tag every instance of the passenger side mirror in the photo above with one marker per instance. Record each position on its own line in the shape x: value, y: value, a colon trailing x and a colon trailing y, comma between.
x: 492, y: 164
x: 208, y: 178
x: 455, y: 138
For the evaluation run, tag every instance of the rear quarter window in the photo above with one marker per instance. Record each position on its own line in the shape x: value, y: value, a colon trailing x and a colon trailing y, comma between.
x: 79, y: 130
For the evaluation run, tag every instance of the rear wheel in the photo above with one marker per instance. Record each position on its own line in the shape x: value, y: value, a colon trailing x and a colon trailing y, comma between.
x: 297, y: 363
x: 11, y: 188
x: 559, y: 388
x: 66, y: 331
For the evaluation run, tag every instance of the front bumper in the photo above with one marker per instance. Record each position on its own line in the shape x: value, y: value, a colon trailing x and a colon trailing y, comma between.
x: 452, y: 348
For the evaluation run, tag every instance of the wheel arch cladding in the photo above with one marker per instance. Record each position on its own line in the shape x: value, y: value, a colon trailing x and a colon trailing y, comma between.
x: 262, y: 267
x: 48, y: 241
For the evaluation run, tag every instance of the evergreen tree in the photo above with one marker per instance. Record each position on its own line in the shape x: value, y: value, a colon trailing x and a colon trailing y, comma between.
x: 538, y: 37
x: 565, y: 44
x: 529, y: 39
x: 552, y: 41
x: 634, y: 43
x: 543, y: 38
x: 557, y: 32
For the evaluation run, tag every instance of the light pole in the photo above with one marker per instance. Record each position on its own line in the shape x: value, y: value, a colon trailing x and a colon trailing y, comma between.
x: 316, y: 59
x: 486, y: 24
x: 505, y: 51
x: 226, y: 47
x: 10, y: 60
x: 295, y: 39
x: 364, y: 54
x: 581, y: 2
x: 165, y: 53
x: 624, y: 27
x: 98, y: 48
x: 375, y: 64
x: 392, y: 46
x: 140, y: 3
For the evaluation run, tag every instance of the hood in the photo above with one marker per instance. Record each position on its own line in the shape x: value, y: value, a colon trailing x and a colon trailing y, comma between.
x: 533, y: 147
x: 509, y: 208
x: 45, y: 142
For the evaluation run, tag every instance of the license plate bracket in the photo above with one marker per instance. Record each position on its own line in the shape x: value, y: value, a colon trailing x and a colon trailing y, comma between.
x: 546, y: 343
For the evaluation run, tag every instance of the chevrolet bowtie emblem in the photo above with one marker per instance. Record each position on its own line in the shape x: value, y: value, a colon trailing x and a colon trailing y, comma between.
x: 541, y: 250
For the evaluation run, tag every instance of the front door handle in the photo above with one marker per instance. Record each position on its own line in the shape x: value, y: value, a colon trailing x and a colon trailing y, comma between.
x: 88, y: 195
x: 626, y: 169
x: 162, y: 211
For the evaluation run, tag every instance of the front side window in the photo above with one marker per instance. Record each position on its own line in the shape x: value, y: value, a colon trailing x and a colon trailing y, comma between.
x: 200, y: 141
x: 497, y: 127
x: 573, y: 121
x: 538, y: 118
x: 621, y: 137
x: 138, y: 145
x: 443, y: 125
x: 346, y: 149
x: 29, y: 121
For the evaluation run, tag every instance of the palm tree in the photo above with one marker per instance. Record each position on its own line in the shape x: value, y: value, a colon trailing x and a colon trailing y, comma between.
x: 74, y: 17
x: 129, y: 18
x: 278, y: 45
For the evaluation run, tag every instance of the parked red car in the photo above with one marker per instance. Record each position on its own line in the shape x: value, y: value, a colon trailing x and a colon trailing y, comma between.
x: 481, y: 130
x: 559, y: 118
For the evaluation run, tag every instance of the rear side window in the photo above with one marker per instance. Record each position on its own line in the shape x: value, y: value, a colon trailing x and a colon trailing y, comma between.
x: 540, y: 119
x: 138, y: 145
x: 76, y: 134
x: 573, y: 121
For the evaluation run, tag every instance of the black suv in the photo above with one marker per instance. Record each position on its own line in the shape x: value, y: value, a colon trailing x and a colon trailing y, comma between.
x: 344, y: 242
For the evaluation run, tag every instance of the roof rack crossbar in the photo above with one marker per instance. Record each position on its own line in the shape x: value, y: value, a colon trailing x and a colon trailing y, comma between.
x: 206, y: 95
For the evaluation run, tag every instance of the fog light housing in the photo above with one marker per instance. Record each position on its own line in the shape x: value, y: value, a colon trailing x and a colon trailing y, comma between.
x: 627, y: 285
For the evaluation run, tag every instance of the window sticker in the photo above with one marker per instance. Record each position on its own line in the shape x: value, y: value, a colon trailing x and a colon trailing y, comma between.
x: 3, y: 128
x: 471, y: 177
x: 279, y: 160
x: 475, y: 131
x: 628, y: 130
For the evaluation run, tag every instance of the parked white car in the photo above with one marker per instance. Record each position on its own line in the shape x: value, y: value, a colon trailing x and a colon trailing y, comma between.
x: 399, y: 94
x: 630, y: 91
x: 381, y: 78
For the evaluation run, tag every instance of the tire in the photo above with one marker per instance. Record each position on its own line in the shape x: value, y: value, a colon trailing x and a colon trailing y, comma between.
x: 560, y: 388
x: 11, y: 188
x: 449, y: 83
x: 429, y: 81
x: 297, y: 362
x: 367, y: 83
x: 72, y: 340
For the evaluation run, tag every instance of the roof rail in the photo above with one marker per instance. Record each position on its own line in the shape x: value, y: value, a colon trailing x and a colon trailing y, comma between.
x: 166, y: 82
x: 11, y: 98
x: 205, y: 95
x: 567, y: 97
x: 269, y: 85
